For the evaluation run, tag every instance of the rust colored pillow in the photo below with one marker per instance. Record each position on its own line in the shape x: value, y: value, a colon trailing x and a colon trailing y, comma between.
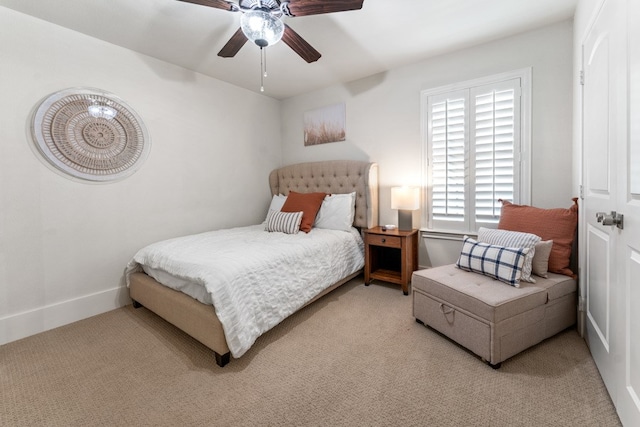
x: 558, y: 225
x: 308, y: 203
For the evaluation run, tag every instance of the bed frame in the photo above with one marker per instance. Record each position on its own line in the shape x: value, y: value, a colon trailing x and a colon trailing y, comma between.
x: 199, y: 320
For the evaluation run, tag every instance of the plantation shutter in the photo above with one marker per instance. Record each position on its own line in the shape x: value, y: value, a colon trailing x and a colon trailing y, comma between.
x: 494, y: 142
x: 448, y: 133
x: 473, y: 154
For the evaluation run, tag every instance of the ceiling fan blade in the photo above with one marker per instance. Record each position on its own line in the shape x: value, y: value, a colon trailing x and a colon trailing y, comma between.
x: 317, y: 7
x: 234, y: 44
x: 299, y: 45
x: 218, y: 4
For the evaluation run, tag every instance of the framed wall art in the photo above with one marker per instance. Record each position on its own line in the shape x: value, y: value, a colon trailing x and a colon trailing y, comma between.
x: 89, y: 134
x: 325, y: 125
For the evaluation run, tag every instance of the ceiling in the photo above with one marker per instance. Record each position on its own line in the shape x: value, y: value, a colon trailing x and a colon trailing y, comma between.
x: 383, y: 35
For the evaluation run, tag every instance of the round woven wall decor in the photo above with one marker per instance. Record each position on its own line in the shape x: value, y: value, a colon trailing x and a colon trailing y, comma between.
x: 90, y: 134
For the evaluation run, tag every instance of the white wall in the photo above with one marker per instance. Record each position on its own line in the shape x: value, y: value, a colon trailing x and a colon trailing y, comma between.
x: 64, y: 244
x: 383, y: 115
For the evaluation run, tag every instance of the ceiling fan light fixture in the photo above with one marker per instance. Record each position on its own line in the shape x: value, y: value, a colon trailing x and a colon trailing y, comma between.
x: 261, y: 27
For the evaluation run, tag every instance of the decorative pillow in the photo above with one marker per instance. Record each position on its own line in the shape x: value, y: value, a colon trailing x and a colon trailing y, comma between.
x: 540, y: 263
x: 308, y: 203
x: 285, y: 222
x: 499, y: 262
x: 337, y: 212
x: 558, y: 225
x: 512, y: 239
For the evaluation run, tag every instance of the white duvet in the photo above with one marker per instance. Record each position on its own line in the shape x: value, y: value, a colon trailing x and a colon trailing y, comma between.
x: 254, y: 278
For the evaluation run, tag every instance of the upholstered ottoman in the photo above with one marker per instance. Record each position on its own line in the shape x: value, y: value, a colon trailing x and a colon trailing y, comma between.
x: 488, y: 317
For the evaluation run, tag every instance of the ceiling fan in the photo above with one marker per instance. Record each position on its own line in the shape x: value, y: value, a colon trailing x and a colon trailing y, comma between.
x: 261, y: 22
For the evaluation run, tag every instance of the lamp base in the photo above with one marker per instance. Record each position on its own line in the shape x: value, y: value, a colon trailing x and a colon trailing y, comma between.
x: 405, y: 220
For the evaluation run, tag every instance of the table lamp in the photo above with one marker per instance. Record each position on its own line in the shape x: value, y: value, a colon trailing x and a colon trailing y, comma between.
x: 405, y: 200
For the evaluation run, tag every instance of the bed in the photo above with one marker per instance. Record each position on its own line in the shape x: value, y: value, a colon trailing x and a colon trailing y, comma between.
x: 209, y: 321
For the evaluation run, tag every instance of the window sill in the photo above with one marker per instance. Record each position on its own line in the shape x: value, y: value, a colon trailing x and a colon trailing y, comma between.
x: 427, y: 233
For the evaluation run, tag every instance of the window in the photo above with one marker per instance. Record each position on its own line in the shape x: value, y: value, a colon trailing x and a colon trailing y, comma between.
x: 475, y: 141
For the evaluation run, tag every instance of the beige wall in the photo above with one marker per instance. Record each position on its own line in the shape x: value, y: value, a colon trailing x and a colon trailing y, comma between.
x: 383, y: 115
x: 64, y: 244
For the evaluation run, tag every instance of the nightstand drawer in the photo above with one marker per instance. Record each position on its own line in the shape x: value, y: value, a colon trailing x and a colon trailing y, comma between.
x: 388, y: 241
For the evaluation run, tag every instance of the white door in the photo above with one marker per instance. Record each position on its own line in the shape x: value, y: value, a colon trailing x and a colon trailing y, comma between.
x: 611, y: 149
x: 628, y: 251
x: 600, y: 181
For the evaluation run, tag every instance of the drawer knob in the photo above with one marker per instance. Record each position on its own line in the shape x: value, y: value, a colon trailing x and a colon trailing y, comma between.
x: 384, y: 240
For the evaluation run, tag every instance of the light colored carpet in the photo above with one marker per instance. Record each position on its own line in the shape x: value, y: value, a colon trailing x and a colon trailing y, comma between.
x: 355, y: 357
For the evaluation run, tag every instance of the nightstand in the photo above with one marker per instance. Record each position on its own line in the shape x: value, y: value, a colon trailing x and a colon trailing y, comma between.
x: 391, y: 256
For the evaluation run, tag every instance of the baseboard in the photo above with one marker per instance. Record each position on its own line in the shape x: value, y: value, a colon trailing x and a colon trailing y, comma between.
x: 27, y: 323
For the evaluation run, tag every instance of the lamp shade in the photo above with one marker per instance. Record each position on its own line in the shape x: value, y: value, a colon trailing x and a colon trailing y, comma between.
x: 261, y: 27
x: 405, y: 198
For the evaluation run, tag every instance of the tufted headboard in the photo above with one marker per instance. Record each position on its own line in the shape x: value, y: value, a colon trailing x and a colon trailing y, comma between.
x: 335, y: 177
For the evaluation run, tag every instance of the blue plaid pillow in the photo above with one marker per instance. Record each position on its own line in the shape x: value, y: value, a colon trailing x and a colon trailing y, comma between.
x: 499, y: 262
x: 513, y: 239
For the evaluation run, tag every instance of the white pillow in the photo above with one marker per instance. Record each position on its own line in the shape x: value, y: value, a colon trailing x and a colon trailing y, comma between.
x: 285, y: 222
x: 277, y: 201
x: 337, y: 212
x: 499, y: 262
x: 513, y: 239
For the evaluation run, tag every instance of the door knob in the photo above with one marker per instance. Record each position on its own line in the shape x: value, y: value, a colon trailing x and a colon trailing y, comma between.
x: 613, y: 218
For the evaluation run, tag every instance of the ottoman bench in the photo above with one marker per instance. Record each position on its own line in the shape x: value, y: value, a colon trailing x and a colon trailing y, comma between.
x: 489, y: 318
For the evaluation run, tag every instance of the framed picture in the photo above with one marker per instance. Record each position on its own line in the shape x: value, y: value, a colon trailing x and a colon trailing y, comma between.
x: 325, y: 124
x: 90, y: 135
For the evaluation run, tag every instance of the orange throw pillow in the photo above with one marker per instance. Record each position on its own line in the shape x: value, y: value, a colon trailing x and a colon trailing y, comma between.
x: 308, y: 203
x: 558, y: 225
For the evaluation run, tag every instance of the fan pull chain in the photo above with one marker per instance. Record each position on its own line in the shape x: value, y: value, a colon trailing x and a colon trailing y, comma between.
x: 263, y: 67
x: 265, y: 62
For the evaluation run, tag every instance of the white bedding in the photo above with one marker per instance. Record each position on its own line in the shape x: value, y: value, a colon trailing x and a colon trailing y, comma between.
x: 254, y: 278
